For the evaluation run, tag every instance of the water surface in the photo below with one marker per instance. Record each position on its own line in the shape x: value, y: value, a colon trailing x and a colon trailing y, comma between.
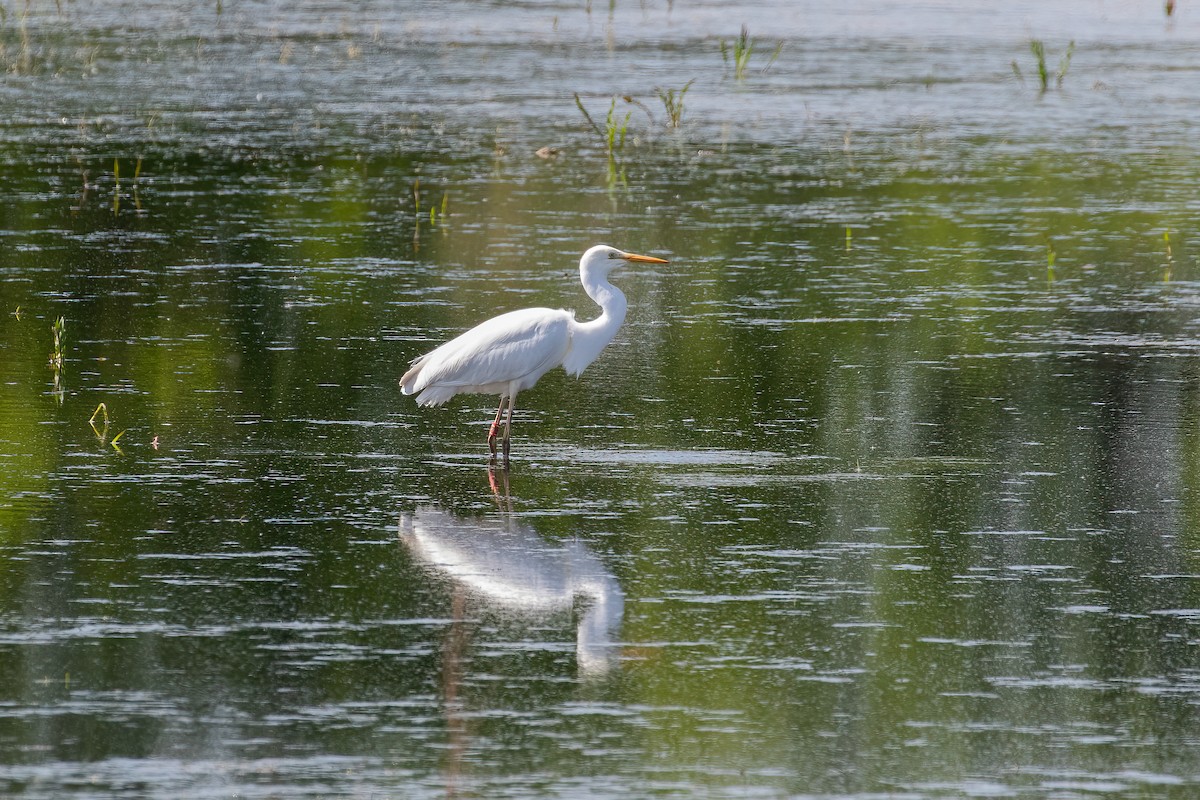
x: 887, y: 487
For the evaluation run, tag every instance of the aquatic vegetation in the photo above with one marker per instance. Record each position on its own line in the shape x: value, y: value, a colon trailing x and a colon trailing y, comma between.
x: 137, y: 174
x: 742, y: 48
x: 672, y: 100
x: 1038, y: 48
x: 612, y: 135
x: 1169, y: 269
x: 437, y: 212
x: 100, y: 409
x: 20, y: 62
x: 58, y: 355
x: 59, y: 332
x: 1064, y: 64
x: 1039, y: 53
x: 116, y: 199
x: 739, y: 54
x: 102, y: 431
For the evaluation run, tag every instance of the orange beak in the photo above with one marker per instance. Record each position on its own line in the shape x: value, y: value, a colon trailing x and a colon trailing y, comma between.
x: 644, y: 259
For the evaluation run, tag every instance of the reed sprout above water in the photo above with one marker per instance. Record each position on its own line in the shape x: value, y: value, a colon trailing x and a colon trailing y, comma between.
x: 672, y: 100
x: 1038, y: 48
x: 58, y: 355
x: 612, y: 134
x: 738, y: 55
x: 59, y: 331
x: 116, y: 199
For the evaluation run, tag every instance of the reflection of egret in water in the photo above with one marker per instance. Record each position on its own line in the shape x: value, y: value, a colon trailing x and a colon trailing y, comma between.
x: 505, y: 562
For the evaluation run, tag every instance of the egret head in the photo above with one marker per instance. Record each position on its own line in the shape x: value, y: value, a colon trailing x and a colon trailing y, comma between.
x: 602, y: 259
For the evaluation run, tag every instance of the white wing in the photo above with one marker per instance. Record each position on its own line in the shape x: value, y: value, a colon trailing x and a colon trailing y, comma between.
x: 519, y: 347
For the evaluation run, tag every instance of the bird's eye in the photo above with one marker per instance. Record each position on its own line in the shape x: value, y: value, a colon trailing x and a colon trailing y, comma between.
x: 615, y: 254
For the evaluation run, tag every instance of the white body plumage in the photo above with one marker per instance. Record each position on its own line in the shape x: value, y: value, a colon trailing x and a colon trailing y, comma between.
x: 502, y: 356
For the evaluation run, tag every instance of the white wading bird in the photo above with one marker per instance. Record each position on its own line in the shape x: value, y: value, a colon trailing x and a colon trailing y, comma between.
x: 509, y: 353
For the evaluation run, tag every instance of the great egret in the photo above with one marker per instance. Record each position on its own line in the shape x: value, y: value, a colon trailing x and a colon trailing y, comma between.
x: 509, y: 353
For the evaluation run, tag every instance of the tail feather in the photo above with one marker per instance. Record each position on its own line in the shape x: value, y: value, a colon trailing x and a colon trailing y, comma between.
x: 436, y: 395
x: 411, y: 383
x: 408, y: 381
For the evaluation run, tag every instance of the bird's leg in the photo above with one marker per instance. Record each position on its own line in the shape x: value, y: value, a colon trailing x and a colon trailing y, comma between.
x: 495, y: 427
x: 508, y: 428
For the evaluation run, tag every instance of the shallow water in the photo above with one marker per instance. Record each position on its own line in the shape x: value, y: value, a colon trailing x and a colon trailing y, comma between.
x: 887, y: 487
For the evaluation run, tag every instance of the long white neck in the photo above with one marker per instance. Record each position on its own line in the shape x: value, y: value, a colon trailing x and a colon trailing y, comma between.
x: 589, y: 338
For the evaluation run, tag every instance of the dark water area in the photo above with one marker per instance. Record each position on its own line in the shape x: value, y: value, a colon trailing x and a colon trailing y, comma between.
x: 888, y: 486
